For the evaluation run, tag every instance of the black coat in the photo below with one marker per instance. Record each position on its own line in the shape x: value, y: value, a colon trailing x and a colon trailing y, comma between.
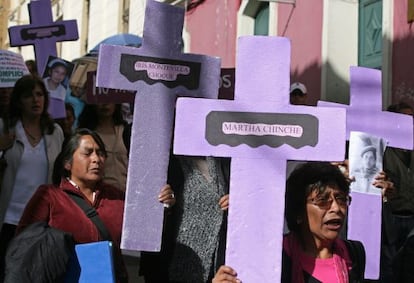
x: 39, y: 254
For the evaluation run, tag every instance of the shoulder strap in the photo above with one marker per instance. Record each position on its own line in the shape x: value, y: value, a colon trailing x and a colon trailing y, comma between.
x: 92, y: 215
x: 357, y: 253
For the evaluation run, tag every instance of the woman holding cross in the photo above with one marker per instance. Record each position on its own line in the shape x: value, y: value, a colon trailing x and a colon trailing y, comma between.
x: 317, y: 200
x: 77, y: 179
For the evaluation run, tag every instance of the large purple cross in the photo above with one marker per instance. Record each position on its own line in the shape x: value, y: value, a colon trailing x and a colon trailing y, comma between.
x: 260, y: 131
x: 42, y: 32
x: 364, y: 114
x: 159, y: 72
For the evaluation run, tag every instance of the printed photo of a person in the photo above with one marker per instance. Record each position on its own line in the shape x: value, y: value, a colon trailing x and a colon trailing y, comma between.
x: 56, y: 77
x: 365, y: 158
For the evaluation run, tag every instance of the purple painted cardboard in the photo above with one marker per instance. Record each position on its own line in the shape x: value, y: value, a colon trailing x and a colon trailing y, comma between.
x: 57, y: 108
x: 42, y: 32
x: 258, y: 174
x: 364, y: 224
x: 364, y: 114
x: 153, y: 115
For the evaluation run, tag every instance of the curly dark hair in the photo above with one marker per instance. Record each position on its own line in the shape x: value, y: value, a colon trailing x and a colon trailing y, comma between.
x: 23, y: 86
x: 306, y: 178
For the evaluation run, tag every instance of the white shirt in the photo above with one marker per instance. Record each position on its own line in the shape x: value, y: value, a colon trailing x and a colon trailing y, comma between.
x: 32, y: 173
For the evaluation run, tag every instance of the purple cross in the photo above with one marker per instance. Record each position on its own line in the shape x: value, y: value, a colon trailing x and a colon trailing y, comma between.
x: 42, y: 32
x: 159, y: 72
x: 365, y: 114
x: 260, y: 131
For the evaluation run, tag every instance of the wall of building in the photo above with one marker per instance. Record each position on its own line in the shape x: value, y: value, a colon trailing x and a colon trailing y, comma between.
x: 20, y: 16
x: 323, y: 34
x: 212, y: 30
x: 75, y: 11
x: 96, y: 21
x: 402, y: 58
x: 339, y: 48
x: 302, y: 24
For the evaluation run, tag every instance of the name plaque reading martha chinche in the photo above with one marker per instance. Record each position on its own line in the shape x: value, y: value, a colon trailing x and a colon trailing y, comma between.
x: 256, y: 129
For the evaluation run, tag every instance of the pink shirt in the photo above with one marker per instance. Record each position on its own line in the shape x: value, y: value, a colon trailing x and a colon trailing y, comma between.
x: 321, y: 269
x: 331, y: 270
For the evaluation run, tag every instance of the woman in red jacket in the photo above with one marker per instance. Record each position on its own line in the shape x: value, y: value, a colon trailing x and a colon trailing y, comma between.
x: 78, y: 171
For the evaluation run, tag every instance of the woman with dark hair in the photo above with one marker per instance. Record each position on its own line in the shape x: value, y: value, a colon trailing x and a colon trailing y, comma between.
x: 79, y: 171
x: 31, y: 141
x: 317, y: 200
x: 107, y: 121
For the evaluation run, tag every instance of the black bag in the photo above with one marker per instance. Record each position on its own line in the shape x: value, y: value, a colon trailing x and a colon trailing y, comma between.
x: 39, y: 254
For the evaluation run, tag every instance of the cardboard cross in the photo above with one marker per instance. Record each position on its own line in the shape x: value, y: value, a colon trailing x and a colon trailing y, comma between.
x: 260, y: 131
x: 160, y: 72
x: 364, y: 114
x: 42, y: 32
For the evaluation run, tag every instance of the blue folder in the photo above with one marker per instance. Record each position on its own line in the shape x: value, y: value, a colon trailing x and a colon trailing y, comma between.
x: 93, y: 263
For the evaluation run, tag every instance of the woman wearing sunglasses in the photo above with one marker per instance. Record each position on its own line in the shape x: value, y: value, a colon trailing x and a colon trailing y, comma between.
x: 317, y: 200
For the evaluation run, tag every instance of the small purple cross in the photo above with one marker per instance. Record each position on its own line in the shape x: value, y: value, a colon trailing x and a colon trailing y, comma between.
x: 159, y: 72
x: 42, y: 32
x: 364, y: 114
x: 260, y: 131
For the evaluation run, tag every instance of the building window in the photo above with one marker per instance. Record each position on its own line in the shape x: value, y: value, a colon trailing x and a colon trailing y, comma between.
x: 370, y: 34
x: 261, y: 22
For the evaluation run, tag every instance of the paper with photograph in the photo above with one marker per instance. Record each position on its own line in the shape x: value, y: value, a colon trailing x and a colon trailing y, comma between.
x: 365, y: 161
x: 56, y: 77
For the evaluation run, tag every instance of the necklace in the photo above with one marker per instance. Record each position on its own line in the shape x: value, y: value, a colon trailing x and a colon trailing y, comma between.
x: 32, y: 138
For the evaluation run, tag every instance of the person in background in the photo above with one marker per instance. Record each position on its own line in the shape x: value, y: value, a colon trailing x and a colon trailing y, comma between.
x: 195, y: 229
x: 32, y: 67
x: 398, y: 207
x: 5, y: 93
x: 79, y: 170
x: 67, y: 123
x: 32, y: 142
x: 108, y: 122
x: 317, y: 200
x: 298, y: 94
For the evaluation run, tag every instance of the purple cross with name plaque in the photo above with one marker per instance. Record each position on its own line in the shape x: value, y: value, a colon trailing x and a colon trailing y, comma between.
x: 159, y: 72
x: 364, y: 114
x: 42, y: 32
x: 260, y: 131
